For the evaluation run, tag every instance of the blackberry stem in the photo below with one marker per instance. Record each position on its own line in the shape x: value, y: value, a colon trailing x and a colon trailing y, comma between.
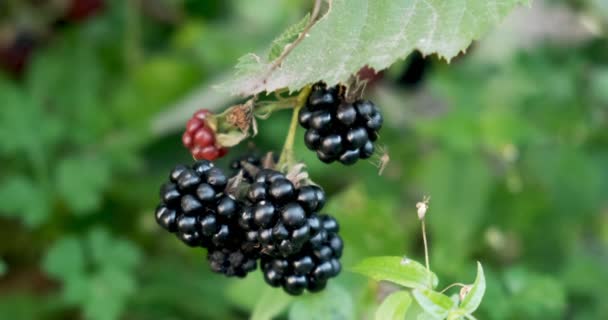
x: 287, y: 156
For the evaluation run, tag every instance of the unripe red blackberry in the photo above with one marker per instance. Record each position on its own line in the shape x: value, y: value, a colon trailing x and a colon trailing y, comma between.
x: 312, y: 266
x: 200, y: 139
x: 277, y: 219
x: 338, y: 130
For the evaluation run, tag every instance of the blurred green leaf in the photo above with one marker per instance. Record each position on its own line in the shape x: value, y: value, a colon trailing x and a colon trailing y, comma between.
x: 3, y: 267
x: 333, y: 303
x: 434, y: 303
x: 534, y: 296
x: 459, y: 186
x: 81, y: 181
x: 92, y: 273
x: 271, y: 303
x: 25, y: 199
x: 24, y: 127
x: 472, y: 300
x: 65, y: 259
x: 399, y: 270
x: 384, y: 19
x: 394, y: 307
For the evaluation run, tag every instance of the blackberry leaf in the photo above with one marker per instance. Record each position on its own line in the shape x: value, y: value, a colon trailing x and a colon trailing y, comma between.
x: 376, y: 33
x: 288, y: 36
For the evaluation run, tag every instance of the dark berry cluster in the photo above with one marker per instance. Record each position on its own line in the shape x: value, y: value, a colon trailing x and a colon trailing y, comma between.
x: 199, y: 138
x: 195, y: 207
x: 276, y: 221
x: 339, y: 130
x: 313, y: 265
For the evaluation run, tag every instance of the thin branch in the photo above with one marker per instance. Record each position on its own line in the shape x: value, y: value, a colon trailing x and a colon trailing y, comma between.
x: 287, y: 157
x: 426, y: 254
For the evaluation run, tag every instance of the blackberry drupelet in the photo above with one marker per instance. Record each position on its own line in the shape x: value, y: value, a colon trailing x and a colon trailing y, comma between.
x: 277, y: 219
x: 339, y: 130
x: 313, y: 266
x: 232, y: 263
x: 194, y: 207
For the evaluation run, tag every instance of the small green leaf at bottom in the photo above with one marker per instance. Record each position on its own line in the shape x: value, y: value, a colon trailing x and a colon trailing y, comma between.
x: 394, y: 307
x: 271, y: 303
x: 472, y: 300
x: 334, y: 303
x: 399, y: 270
x: 434, y: 303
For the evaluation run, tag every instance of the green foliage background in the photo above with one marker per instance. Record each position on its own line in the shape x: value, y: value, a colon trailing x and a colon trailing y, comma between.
x: 512, y: 149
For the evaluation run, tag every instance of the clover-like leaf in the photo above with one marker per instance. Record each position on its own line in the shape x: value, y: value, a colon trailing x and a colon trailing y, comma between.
x: 24, y: 198
x: 81, y: 182
x: 402, y: 271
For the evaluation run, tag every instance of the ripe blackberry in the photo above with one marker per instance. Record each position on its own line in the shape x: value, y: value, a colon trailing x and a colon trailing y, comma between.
x: 255, y: 161
x: 277, y: 221
x: 337, y: 129
x: 232, y: 263
x: 194, y: 207
x: 199, y: 138
x: 317, y: 262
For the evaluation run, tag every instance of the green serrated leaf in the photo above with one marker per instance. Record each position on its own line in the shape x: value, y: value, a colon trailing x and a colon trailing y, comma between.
x: 394, y: 307
x: 249, y: 63
x: 399, y: 270
x: 288, y: 36
x: 376, y: 33
x: 81, y: 181
x: 434, y: 303
x: 334, y: 303
x: 472, y: 300
x: 25, y: 199
x: 272, y: 303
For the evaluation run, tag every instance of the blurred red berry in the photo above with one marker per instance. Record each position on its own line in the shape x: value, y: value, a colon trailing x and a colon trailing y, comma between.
x: 199, y: 138
x: 15, y: 56
x: 80, y: 10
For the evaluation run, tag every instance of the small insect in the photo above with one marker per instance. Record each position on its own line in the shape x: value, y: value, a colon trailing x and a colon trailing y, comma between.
x: 405, y: 261
x: 381, y: 159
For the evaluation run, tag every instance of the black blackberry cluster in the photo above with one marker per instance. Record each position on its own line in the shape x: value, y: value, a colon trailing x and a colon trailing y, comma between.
x: 236, y: 165
x: 313, y: 265
x: 339, y: 130
x: 277, y: 221
x: 195, y: 207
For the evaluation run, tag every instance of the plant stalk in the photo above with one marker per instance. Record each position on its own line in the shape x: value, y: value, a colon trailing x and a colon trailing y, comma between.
x: 287, y: 156
x: 426, y: 254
